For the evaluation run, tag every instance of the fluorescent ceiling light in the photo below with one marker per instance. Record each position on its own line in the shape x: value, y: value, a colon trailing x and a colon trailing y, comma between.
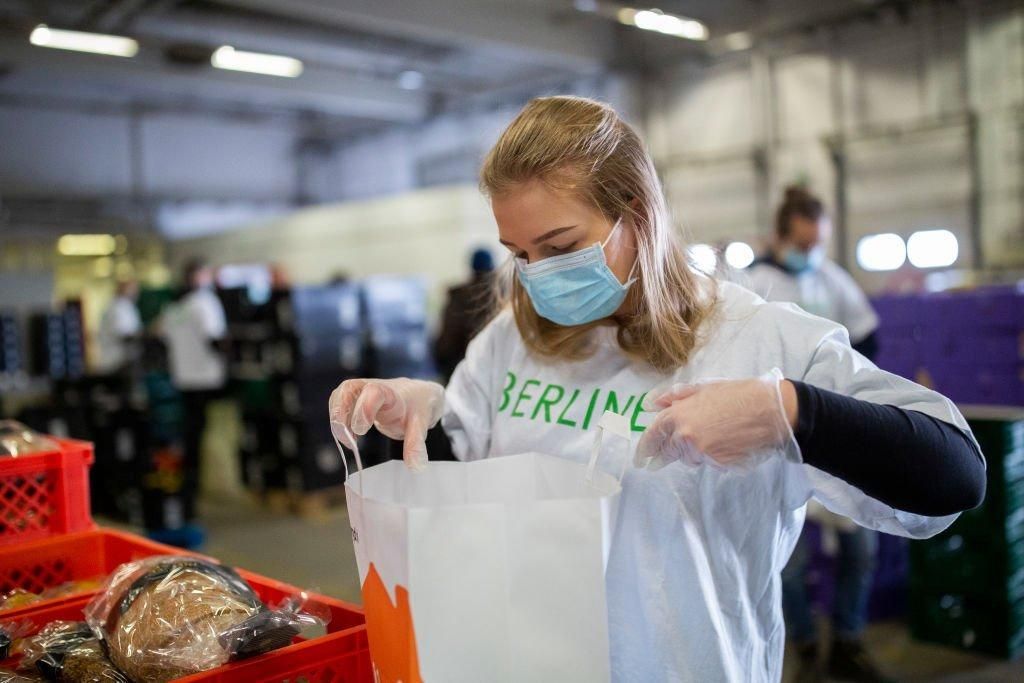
x: 660, y: 22
x: 885, y: 251
x: 739, y: 255
x: 933, y: 248
x: 86, y: 245
x: 98, y: 43
x: 227, y: 57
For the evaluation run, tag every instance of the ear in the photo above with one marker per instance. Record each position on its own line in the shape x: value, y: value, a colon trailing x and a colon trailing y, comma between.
x: 634, y: 204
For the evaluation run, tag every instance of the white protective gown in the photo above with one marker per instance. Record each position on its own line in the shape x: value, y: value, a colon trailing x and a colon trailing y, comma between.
x: 828, y: 291
x: 693, y: 578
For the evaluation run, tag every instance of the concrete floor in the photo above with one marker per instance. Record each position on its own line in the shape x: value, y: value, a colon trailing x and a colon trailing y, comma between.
x: 317, y: 554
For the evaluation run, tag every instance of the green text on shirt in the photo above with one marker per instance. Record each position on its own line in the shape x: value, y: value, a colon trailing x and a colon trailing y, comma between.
x: 533, y: 399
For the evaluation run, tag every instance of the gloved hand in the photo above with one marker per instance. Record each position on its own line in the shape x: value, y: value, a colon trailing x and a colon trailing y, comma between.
x: 400, y: 408
x: 722, y: 423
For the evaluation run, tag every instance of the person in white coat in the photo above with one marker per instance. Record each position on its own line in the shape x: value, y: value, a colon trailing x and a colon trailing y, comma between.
x: 120, y: 327
x: 795, y: 269
x: 195, y: 329
x: 738, y: 403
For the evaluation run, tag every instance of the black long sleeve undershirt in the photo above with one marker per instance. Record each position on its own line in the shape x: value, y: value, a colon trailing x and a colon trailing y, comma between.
x: 903, y: 458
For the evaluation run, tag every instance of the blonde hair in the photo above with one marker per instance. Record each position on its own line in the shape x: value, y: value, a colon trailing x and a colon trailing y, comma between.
x: 582, y: 146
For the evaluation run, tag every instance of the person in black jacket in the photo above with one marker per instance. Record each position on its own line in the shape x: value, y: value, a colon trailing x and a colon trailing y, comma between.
x: 465, y: 313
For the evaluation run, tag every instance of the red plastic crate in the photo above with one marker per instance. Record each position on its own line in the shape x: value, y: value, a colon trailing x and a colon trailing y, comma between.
x: 50, y: 562
x: 340, y: 656
x: 45, y: 494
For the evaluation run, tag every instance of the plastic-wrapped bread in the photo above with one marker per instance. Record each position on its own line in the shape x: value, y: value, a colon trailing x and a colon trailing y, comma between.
x: 8, y: 676
x: 17, y: 439
x: 167, y: 617
x: 68, y: 652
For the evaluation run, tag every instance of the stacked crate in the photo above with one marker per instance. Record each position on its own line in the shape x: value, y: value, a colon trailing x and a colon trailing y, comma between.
x: 11, y: 362
x: 396, y: 313
x: 967, y: 345
x: 57, y: 343
x: 967, y: 587
x: 137, y: 476
x: 288, y: 357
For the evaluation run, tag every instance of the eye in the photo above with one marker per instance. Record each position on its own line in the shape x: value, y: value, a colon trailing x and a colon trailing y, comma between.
x: 566, y: 249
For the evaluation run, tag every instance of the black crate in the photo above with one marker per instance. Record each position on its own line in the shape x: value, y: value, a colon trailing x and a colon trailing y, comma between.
x: 968, y: 622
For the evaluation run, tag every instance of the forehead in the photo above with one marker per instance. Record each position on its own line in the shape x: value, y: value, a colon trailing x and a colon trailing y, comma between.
x: 534, y: 208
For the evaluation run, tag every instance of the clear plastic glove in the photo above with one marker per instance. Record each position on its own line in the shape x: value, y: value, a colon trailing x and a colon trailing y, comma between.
x: 400, y: 408
x: 722, y: 423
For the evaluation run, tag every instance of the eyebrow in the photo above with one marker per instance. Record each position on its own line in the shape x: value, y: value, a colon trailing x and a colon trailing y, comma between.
x: 546, y: 236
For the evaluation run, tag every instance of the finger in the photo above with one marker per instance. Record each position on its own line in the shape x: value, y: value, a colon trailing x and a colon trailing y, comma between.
x: 342, y: 399
x: 414, y: 450
x: 370, y: 401
x: 654, y: 440
x: 676, y: 392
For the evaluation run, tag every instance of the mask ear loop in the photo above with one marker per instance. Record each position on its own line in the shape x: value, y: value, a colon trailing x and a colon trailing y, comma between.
x: 636, y: 262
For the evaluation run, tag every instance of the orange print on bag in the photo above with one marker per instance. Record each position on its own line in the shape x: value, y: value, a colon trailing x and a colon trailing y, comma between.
x: 390, y: 630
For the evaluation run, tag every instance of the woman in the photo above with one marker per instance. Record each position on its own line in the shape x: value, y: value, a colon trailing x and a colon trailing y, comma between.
x: 797, y: 269
x: 750, y: 408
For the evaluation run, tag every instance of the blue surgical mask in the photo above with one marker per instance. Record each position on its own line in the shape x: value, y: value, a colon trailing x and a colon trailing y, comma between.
x: 800, y: 261
x: 574, y: 289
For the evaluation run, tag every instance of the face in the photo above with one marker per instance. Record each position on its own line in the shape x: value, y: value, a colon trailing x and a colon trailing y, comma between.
x: 202, y: 278
x: 805, y: 233
x: 536, y: 222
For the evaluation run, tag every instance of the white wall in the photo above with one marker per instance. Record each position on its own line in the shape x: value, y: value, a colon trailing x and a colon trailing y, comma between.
x: 391, y: 162
x: 54, y: 151
x: 892, y: 97
x: 427, y: 232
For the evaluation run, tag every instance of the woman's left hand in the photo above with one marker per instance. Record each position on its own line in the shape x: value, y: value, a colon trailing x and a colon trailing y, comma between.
x: 721, y: 422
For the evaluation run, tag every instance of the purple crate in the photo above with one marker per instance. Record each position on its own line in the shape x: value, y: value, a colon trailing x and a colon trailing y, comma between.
x: 984, y: 385
x: 992, y: 347
x: 888, y: 598
x: 898, y: 311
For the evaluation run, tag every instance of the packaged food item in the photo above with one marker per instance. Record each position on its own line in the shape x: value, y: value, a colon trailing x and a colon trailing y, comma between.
x: 72, y: 588
x: 19, y: 598
x: 69, y: 652
x: 17, y: 439
x: 8, y: 676
x: 10, y: 635
x: 167, y: 617
x: 6, y: 640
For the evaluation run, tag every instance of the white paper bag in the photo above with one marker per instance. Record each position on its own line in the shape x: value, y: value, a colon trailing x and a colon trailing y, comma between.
x: 490, y: 570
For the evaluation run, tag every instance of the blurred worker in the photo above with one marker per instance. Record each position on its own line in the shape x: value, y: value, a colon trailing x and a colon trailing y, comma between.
x: 796, y: 270
x: 465, y: 314
x: 120, y: 327
x: 195, y: 331
x: 748, y: 408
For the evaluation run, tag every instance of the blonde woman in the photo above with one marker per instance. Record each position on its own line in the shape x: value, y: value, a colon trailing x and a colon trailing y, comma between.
x: 747, y: 409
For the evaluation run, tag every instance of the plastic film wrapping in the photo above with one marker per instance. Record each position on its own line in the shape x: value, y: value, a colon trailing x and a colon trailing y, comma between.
x: 167, y: 617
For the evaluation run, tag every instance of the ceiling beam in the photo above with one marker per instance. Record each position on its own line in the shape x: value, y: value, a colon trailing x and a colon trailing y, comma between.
x: 534, y: 31
x: 146, y: 77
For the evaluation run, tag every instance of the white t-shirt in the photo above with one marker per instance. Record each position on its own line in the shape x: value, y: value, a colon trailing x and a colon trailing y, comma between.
x: 188, y: 327
x: 693, y: 586
x: 120, y: 320
x: 828, y: 291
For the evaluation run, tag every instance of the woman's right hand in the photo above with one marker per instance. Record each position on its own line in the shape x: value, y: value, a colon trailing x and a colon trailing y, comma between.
x: 400, y: 408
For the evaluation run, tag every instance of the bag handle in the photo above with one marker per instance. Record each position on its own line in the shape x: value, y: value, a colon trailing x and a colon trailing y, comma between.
x: 619, y: 426
x: 343, y: 436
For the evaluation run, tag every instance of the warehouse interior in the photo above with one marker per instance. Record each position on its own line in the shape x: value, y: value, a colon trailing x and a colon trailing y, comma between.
x: 320, y: 159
